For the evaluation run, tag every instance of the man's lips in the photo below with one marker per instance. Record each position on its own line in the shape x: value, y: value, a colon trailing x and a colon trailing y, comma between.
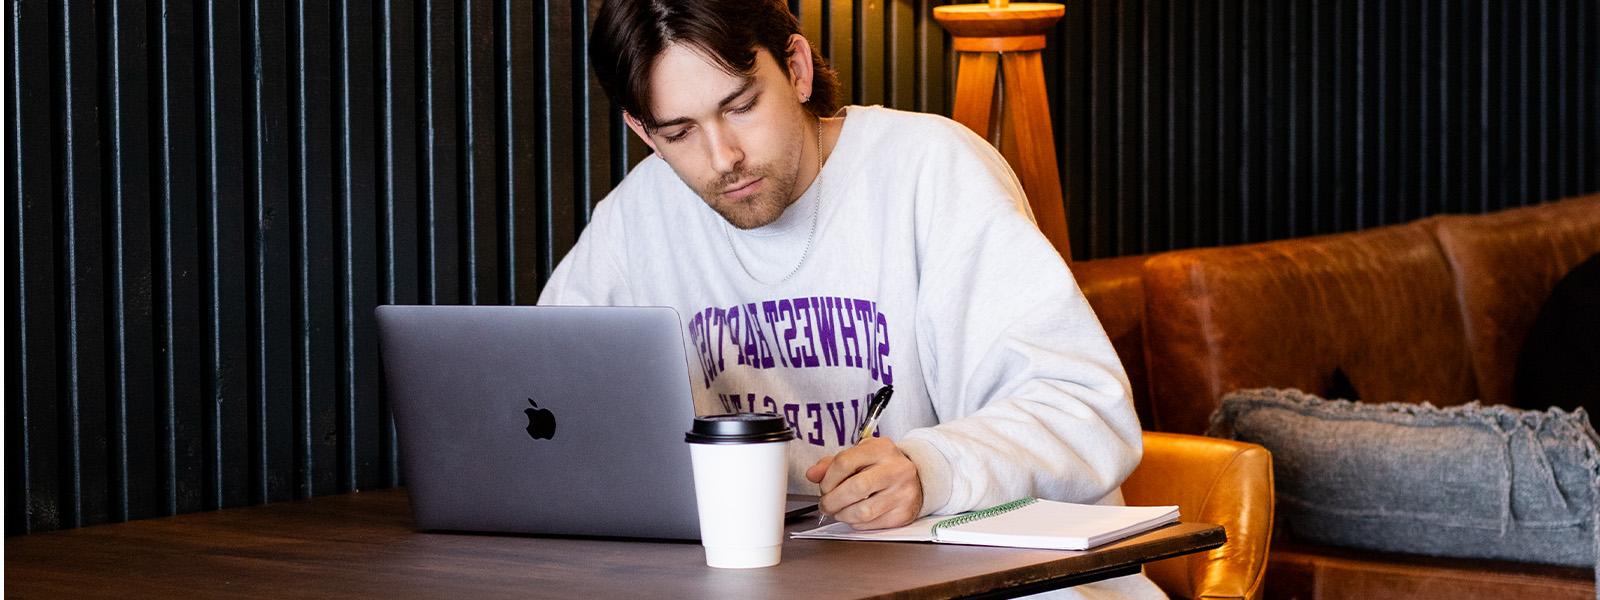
x: 742, y: 191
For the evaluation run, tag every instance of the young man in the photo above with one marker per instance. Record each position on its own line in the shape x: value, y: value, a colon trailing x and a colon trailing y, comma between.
x: 817, y: 256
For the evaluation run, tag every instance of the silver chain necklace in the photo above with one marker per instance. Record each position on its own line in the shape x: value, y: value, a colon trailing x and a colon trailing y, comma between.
x: 809, y: 238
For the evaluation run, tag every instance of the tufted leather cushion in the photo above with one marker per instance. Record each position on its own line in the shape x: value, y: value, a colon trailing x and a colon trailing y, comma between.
x: 1376, y: 308
x: 1212, y: 481
x: 1116, y: 292
x: 1506, y: 263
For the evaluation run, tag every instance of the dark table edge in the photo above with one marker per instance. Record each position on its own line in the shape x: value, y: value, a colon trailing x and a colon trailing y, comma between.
x: 1101, y: 574
x: 1216, y: 538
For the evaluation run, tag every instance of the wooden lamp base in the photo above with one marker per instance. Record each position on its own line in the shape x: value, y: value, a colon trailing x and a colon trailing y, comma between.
x: 999, y: 57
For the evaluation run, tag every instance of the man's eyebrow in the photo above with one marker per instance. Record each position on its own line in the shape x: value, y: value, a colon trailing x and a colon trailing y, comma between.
x: 743, y: 87
x: 723, y: 103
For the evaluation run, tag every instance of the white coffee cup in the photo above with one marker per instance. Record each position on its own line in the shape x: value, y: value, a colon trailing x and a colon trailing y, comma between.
x: 741, y: 481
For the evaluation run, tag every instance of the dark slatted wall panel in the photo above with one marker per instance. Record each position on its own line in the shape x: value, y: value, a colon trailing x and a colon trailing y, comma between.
x: 1205, y: 123
x: 204, y: 200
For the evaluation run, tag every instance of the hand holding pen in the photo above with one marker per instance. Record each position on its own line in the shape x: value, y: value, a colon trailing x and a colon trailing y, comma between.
x: 871, y: 485
x: 869, y: 426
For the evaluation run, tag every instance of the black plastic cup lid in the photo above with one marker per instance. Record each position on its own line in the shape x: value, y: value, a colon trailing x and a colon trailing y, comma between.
x: 742, y: 428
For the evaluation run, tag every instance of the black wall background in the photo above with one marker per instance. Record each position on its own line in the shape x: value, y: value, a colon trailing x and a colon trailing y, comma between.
x: 204, y: 201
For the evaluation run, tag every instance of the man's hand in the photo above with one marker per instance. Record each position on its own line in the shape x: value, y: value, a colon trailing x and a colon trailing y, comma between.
x: 872, y: 485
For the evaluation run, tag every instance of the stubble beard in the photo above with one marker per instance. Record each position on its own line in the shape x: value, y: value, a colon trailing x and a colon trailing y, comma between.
x: 760, y: 209
x: 767, y: 204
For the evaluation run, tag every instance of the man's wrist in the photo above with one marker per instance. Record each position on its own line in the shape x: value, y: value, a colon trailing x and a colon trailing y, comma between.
x: 933, y: 470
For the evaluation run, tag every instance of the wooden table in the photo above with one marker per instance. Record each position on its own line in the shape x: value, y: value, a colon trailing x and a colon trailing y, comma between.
x: 363, y: 544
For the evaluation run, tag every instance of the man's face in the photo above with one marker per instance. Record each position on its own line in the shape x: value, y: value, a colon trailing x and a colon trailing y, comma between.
x: 737, y: 141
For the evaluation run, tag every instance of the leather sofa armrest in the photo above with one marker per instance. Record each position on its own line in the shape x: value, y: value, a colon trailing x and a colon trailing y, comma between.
x: 1213, y: 481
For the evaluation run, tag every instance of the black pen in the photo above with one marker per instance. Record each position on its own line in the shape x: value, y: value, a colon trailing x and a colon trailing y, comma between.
x: 869, y: 424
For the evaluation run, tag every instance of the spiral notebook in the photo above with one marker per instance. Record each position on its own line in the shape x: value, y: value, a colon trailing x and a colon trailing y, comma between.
x: 1024, y: 523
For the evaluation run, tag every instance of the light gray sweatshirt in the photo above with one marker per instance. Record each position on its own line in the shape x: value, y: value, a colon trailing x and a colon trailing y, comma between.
x: 925, y: 271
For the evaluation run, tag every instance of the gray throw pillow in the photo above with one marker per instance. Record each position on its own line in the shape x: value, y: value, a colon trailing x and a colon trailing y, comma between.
x: 1466, y: 481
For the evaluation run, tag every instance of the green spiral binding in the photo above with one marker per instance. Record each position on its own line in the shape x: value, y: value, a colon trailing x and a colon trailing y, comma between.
x: 965, y: 518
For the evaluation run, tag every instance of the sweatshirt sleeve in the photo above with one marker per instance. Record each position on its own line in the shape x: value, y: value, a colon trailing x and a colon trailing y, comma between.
x: 1030, y: 395
x: 592, y: 273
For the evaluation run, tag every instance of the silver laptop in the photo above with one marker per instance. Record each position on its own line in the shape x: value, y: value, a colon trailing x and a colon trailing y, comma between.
x: 548, y: 420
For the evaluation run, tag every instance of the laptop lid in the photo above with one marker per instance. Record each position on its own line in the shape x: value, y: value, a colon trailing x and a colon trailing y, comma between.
x: 549, y: 420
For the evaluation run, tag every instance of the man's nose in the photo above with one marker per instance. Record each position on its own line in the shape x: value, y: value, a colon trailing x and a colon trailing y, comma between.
x: 726, y: 154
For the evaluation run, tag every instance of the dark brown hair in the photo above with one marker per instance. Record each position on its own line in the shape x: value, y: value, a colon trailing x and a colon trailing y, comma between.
x: 630, y: 34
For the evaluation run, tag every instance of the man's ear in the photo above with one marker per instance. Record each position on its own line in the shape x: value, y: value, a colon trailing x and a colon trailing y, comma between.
x: 799, y: 63
x: 638, y: 129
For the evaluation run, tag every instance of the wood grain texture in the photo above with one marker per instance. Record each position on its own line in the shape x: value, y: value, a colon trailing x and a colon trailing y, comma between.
x: 363, y: 544
x: 975, y: 91
x: 1027, y: 135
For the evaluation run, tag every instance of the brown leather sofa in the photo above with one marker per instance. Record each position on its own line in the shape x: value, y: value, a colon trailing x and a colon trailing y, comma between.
x: 1433, y: 310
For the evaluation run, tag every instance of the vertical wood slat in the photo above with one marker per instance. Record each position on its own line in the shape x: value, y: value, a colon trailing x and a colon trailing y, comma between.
x: 132, y: 452
x: 593, y: 125
x: 552, y: 179
x: 178, y: 324
x: 1257, y: 211
x: 270, y: 286
x: 475, y: 86
x: 315, y: 316
x: 561, y: 168
x: 900, y: 59
x: 1127, y: 209
x: 867, y: 43
x: 839, y: 45
x: 355, y: 217
x: 439, y: 281
x: 205, y: 200
x: 1101, y: 148
x: 1154, y: 96
x: 398, y: 186
x: 1208, y: 109
x: 1179, y: 142
x: 1588, y: 101
x: 33, y: 452
x: 222, y: 237
x: 79, y: 261
x: 933, y: 77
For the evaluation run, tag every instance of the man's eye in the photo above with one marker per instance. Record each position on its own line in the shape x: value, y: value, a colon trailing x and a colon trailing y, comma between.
x: 746, y: 108
x: 676, y: 135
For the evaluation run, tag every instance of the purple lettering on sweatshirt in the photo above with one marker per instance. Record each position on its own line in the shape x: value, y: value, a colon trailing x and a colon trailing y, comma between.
x: 822, y: 313
x: 808, y: 352
x: 786, y: 313
x: 883, y: 350
x: 732, y: 322
x: 720, y: 318
x: 836, y: 416
x: 864, y: 310
x: 763, y: 356
x: 819, y: 424
x: 804, y: 332
x: 847, y: 333
x: 769, y: 312
x: 814, y: 420
x: 697, y: 340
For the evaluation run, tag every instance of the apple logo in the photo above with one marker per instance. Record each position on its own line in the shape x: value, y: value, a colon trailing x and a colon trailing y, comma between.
x: 541, y: 422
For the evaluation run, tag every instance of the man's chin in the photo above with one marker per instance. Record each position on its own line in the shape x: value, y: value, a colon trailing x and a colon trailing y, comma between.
x: 745, y: 221
x: 749, y: 216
